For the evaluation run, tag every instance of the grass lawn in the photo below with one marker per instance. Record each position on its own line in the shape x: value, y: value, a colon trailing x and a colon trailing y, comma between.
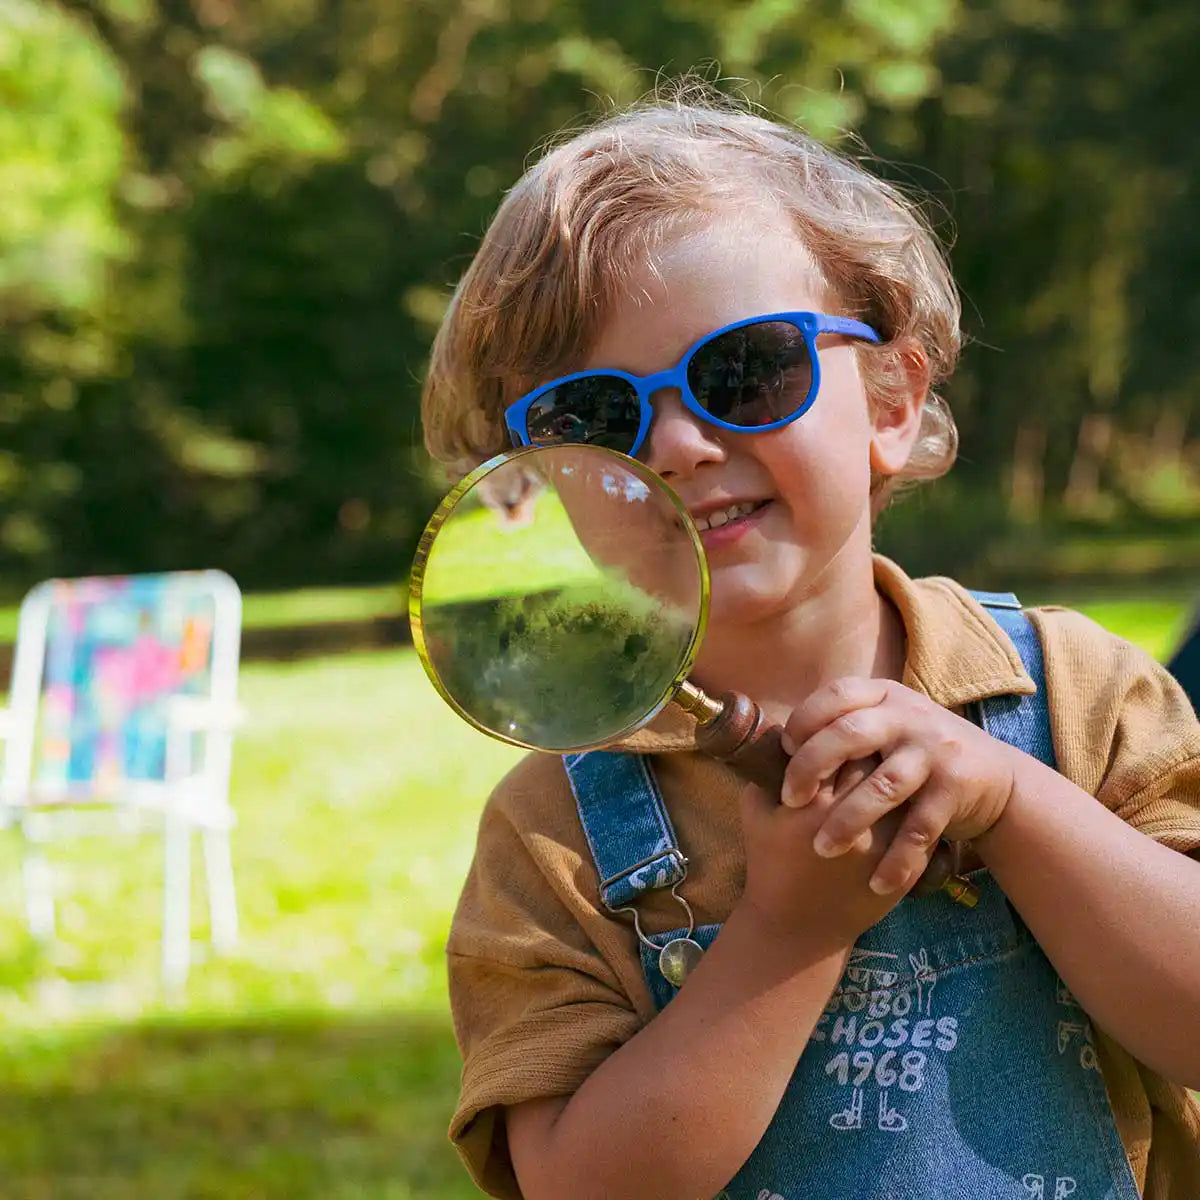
x: 317, y: 1060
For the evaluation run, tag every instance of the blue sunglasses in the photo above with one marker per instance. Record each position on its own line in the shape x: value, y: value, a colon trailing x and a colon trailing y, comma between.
x: 751, y: 376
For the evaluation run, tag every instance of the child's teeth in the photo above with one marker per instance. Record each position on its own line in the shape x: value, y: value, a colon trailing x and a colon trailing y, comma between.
x: 717, y: 519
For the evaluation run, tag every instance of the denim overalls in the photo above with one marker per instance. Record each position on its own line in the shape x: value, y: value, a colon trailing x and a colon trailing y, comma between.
x: 950, y: 1063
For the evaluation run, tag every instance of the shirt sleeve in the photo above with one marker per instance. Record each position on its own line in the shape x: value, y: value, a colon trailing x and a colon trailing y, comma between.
x: 537, y: 1003
x: 1124, y: 730
x: 1168, y: 810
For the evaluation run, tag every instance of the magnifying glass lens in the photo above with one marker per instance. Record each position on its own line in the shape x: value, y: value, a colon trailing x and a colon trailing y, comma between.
x: 559, y: 597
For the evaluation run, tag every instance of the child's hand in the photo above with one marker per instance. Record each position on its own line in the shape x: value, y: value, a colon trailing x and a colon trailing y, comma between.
x: 955, y: 778
x: 798, y: 895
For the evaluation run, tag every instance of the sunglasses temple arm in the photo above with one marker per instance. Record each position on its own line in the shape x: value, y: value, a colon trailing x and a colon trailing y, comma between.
x: 848, y: 327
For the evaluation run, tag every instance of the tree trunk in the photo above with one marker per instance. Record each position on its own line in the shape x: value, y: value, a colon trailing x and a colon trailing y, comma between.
x: 1027, y: 483
x: 1167, y: 440
x: 1091, y: 449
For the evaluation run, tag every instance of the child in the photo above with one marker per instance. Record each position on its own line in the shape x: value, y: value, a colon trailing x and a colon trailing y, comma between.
x: 837, y: 1038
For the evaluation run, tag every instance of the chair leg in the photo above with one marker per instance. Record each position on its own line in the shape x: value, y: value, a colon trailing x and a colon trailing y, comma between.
x: 177, y: 894
x: 222, y: 896
x: 39, y: 889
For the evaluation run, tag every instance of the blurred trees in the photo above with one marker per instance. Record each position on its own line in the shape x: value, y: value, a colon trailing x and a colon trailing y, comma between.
x: 227, y: 233
x: 1062, y: 130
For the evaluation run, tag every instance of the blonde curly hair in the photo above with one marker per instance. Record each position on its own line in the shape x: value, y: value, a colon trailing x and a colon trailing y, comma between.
x: 567, y: 235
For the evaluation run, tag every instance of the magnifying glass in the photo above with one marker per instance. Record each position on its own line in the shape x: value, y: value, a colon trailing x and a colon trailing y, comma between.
x: 558, y: 600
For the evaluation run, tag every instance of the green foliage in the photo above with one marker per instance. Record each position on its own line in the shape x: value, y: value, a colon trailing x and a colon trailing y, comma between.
x: 516, y: 664
x: 1053, y: 129
x: 230, y: 230
x: 62, y: 154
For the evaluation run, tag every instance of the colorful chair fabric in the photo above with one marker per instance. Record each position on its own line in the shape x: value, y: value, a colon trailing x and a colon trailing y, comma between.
x: 124, y: 698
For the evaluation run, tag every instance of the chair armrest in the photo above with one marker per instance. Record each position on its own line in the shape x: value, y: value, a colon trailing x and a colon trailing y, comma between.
x: 196, y: 714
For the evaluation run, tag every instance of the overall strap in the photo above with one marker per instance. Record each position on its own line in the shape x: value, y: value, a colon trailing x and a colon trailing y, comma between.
x: 625, y: 823
x: 1021, y: 721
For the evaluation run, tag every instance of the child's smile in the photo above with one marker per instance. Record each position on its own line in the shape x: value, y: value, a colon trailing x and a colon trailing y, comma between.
x: 721, y: 524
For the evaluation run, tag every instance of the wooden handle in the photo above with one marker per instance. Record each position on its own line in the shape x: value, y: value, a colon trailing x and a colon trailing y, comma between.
x: 741, y: 737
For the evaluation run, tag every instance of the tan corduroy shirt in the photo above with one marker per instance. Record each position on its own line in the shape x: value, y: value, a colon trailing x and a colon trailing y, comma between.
x: 544, y: 983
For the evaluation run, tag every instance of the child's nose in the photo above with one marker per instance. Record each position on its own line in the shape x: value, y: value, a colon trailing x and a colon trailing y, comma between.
x: 679, y: 442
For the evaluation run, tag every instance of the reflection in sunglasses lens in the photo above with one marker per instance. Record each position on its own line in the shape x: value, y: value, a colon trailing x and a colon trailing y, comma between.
x: 600, y: 409
x: 753, y: 375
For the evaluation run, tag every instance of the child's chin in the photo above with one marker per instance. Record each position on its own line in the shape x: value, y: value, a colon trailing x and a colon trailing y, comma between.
x: 744, y: 595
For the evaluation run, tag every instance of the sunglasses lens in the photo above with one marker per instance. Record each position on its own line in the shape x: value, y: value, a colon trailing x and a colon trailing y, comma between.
x: 753, y: 375
x: 600, y: 409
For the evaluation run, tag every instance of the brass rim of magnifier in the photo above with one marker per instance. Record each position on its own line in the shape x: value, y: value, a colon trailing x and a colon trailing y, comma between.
x: 421, y: 560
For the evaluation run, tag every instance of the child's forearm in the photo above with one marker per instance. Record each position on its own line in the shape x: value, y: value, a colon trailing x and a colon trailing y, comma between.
x: 675, y: 1111
x: 1116, y: 913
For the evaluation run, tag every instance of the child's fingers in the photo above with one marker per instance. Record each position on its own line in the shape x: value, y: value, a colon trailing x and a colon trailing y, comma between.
x: 897, y: 778
x: 852, y: 774
x: 915, y: 841
x: 858, y: 734
x: 759, y: 807
x: 830, y: 702
x: 832, y: 790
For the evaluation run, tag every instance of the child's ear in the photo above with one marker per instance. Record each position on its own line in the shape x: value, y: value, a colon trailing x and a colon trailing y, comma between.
x: 896, y: 415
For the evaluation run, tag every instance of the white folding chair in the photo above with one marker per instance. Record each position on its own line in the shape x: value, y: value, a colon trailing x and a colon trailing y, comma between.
x: 124, y: 701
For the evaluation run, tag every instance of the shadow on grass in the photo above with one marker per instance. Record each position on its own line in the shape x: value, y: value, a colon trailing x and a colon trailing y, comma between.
x: 290, y: 1109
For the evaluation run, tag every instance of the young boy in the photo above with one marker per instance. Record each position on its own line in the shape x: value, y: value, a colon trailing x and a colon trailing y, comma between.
x: 838, y: 1038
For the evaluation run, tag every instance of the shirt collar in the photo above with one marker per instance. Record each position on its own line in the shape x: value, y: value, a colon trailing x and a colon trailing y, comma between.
x: 955, y: 654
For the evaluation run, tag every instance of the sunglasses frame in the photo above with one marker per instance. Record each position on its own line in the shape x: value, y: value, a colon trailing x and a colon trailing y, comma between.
x: 810, y: 325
